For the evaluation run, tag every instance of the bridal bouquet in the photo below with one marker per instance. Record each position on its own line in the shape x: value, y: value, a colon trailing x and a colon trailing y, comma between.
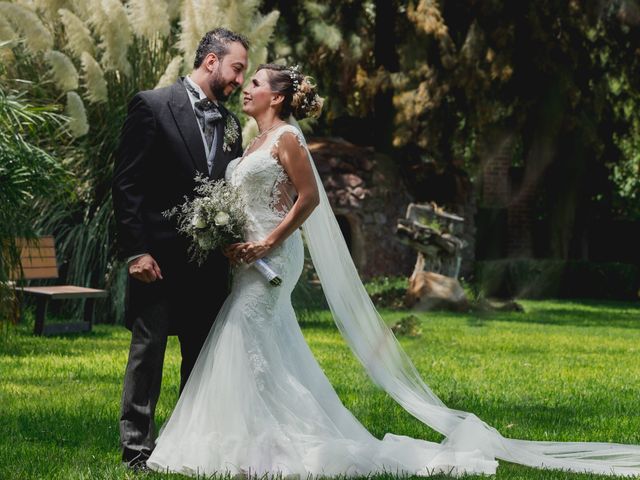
x: 215, y: 218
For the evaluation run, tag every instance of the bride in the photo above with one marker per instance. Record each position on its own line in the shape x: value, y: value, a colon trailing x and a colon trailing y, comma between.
x: 257, y: 402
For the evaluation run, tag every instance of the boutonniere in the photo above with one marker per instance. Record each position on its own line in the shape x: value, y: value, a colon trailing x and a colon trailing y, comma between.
x: 231, y: 133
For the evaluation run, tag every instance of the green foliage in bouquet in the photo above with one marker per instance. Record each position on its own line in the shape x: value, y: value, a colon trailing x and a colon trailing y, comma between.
x: 214, y: 218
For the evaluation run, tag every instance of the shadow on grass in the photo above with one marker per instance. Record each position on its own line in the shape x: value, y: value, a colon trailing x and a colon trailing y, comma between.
x: 578, y: 313
x: 20, y: 341
x: 95, y: 428
x: 534, y: 420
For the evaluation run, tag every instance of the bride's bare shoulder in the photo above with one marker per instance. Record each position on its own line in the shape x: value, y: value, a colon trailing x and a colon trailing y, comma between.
x: 289, y: 138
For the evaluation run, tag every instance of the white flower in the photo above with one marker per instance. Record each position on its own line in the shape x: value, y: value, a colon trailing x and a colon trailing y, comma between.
x: 198, y: 221
x: 221, y: 219
x: 231, y: 133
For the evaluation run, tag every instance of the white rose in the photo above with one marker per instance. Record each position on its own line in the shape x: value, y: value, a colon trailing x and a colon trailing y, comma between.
x: 221, y: 219
x: 198, y: 222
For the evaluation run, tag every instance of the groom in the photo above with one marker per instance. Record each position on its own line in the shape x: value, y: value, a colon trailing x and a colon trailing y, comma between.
x: 170, y: 135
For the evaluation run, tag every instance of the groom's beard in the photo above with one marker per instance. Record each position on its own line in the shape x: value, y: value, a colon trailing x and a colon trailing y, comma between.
x: 218, y: 86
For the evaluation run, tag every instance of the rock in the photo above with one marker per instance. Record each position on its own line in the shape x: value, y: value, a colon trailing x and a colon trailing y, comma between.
x: 429, y: 290
x: 351, y: 179
x: 358, y: 192
x: 366, y: 164
x: 354, y: 202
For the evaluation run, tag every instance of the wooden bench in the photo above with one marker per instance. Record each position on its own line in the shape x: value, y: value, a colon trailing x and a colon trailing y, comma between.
x: 38, y: 260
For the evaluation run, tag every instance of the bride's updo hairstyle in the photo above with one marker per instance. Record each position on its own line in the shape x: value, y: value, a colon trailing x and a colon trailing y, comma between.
x: 300, y: 96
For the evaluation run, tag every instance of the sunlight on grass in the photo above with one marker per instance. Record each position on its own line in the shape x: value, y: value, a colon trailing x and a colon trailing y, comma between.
x: 560, y: 371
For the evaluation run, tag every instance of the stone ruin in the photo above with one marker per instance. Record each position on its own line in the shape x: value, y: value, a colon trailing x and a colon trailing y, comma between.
x: 367, y: 195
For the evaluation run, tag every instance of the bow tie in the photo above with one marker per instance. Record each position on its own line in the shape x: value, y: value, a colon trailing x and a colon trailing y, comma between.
x: 206, y: 112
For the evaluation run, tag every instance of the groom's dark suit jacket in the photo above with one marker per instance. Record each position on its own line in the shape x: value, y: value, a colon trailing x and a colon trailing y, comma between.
x: 161, y: 151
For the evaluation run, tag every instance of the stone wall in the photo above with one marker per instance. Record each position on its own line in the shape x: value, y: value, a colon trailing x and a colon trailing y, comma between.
x: 368, y: 196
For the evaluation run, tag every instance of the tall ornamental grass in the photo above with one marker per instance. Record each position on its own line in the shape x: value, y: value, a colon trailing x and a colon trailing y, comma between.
x: 93, y: 55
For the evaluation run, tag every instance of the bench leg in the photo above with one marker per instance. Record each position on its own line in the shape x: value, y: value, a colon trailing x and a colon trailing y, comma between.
x: 89, y: 305
x: 41, y: 312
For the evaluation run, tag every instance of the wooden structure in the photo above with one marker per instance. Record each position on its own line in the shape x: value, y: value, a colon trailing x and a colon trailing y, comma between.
x: 38, y: 260
x: 434, y: 235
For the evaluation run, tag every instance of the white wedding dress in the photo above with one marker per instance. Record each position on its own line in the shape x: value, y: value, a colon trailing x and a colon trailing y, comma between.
x: 258, y: 403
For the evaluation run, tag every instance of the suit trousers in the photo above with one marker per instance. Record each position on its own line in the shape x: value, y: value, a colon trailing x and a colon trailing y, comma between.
x: 164, y: 307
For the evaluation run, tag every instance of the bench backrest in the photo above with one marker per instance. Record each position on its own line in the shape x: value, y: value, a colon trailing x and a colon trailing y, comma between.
x: 38, y: 258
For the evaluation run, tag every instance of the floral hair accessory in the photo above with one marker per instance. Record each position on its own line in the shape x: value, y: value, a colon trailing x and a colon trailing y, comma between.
x: 294, y: 73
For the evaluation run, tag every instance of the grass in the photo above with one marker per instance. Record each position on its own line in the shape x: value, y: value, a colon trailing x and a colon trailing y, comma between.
x: 560, y: 371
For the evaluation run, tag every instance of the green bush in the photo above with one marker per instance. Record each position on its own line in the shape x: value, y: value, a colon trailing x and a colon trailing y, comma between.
x: 388, y: 292
x: 529, y: 278
x: 30, y: 173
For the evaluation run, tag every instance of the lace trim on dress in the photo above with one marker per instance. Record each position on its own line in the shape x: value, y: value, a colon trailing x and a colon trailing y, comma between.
x: 283, y: 192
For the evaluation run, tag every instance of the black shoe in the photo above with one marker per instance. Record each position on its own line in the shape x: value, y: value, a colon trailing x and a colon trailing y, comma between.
x: 137, y: 463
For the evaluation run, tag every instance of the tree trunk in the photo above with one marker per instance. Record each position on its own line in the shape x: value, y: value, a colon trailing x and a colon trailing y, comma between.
x: 386, y: 57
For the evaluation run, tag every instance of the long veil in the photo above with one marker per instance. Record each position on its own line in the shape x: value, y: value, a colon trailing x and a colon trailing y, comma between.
x: 388, y: 366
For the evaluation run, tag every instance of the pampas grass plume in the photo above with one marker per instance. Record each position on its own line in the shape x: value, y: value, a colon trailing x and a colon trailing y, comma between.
x: 6, y: 31
x: 172, y: 72
x: 36, y: 36
x: 149, y: 18
x: 110, y: 21
x: 329, y: 35
x: 95, y: 83
x: 190, y: 33
x: 78, y: 35
x: 78, y: 124
x: 262, y: 32
x: 64, y: 73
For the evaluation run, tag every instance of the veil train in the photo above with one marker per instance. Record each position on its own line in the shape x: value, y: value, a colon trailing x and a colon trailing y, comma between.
x: 387, y: 364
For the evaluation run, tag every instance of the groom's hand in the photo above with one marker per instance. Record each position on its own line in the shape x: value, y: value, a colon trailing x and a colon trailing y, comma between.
x: 232, y: 252
x: 145, y: 269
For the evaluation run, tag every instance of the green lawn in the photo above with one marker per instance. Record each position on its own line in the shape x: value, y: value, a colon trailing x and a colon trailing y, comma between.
x: 561, y: 371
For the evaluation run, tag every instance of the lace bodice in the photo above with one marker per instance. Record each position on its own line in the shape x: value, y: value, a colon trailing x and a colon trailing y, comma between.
x: 264, y: 184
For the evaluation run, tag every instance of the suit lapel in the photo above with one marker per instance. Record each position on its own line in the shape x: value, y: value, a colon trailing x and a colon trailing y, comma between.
x: 220, y: 160
x: 187, y: 124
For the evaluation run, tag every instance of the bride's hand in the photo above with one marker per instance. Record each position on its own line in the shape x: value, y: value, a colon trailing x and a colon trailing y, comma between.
x: 252, y: 251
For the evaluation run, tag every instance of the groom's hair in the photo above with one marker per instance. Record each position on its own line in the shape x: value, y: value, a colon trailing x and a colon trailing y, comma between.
x: 217, y: 41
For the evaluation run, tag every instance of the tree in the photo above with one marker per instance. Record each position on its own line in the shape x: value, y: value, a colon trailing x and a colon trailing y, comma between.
x: 555, y: 83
